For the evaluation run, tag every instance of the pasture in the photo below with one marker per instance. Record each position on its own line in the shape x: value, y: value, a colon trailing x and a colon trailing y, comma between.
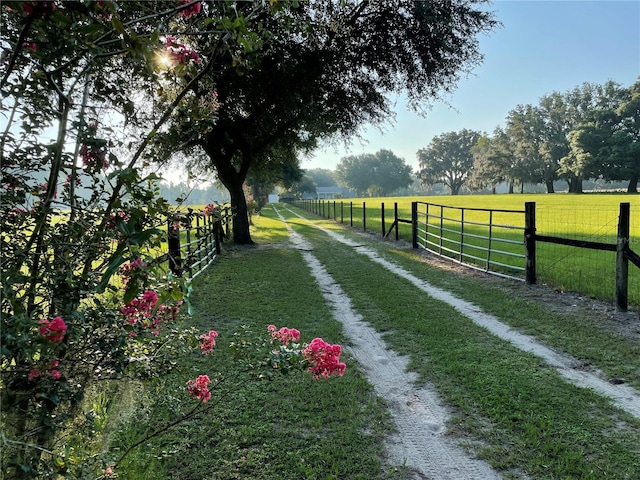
x: 586, y: 217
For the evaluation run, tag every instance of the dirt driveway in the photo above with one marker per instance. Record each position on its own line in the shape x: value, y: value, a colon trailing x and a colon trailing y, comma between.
x: 420, y: 442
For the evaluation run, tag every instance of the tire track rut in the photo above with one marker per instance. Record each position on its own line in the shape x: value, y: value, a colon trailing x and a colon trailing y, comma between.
x: 420, y: 442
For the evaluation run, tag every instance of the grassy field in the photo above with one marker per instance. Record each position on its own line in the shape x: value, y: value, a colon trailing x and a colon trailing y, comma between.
x: 591, y: 217
x: 508, y: 407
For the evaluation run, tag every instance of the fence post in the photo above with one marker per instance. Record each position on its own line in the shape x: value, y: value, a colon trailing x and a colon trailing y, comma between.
x: 382, y: 218
x: 395, y: 217
x: 173, y: 241
x: 364, y: 216
x: 351, y: 212
x: 414, y: 224
x: 530, y: 242
x: 341, y: 211
x: 622, y: 262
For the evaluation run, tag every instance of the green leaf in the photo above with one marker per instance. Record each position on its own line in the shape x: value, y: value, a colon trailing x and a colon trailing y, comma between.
x: 117, y: 24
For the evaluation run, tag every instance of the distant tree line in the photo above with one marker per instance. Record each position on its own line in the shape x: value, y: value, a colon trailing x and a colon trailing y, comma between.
x: 183, y: 194
x: 590, y: 132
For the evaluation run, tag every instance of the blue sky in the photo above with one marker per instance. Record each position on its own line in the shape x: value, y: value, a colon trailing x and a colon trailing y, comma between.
x: 543, y: 46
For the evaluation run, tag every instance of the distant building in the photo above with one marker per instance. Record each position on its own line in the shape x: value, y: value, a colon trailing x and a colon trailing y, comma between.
x: 328, y: 193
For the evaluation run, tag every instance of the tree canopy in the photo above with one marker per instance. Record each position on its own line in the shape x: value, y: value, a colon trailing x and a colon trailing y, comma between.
x: 607, y: 144
x: 317, y: 70
x: 376, y: 174
x: 448, y: 159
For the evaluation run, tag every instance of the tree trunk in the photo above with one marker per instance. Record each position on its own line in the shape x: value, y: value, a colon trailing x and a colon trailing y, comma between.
x: 241, y: 233
x: 510, y: 187
x: 550, y: 188
x: 575, y: 185
x: 633, y: 184
x: 233, y: 180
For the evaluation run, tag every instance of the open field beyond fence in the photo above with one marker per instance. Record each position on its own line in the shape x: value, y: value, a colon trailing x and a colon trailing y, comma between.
x: 587, y: 217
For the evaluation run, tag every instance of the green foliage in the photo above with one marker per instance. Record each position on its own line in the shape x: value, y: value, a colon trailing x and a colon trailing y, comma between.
x: 311, y: 71
x: 83, y: 299
x: 377, y: 174
x: 448, y: 159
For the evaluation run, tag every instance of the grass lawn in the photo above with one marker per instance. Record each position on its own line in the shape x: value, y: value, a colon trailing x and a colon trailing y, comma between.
x: 508, y: 406
x: 590, y: 217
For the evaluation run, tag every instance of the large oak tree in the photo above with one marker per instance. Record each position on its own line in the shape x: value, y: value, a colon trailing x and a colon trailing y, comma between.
x: 302, y: 72
x: 448, y: 159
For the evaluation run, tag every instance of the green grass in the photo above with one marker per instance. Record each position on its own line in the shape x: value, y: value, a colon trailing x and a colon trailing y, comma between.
x: 591, y: 217
x: 513, y: 409
x: 292, y: 427
x: 509, y: 407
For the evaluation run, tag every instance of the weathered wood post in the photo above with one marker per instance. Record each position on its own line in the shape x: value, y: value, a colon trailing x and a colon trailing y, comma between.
x: 173, y: 241
x: 382, y: 219
x: 395, y: 218
x: 530, y: 242
x: 622, y: 262
x: 364, y: 216
x: 414, y: 224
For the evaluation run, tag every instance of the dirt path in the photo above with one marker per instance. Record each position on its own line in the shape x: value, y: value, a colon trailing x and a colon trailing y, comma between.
x: 420, y: 442
x: 623, y: 396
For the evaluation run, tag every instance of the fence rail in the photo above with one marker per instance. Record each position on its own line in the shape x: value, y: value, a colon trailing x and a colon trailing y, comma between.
x: 471, y: 236
x: 491, y: 240
x: 194, y: 240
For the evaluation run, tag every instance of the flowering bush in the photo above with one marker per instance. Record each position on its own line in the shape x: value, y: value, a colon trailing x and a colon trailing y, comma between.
x: 84, y: 303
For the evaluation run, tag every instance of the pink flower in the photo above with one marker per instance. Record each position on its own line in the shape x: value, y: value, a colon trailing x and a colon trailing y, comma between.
x: 324, y: 359
x: 284, y: 335
x: 127, y: 269
x: 141, y: 308
x: 179, y: 52
x: 35, y: 373
x: 210, y: 209
x: 208, y: 341
x: 94, y: 159
x: 55, y: 374
x: 190, y: 10
x: 53, y: 330
x: 108, y: 471
x: 199, y: 388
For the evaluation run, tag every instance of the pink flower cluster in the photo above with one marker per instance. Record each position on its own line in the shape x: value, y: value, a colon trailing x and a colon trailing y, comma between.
x: 324, y: 358
x: 199, y: 388
x: 179, y: 52
x: 113, y: 218
x: 53, y: 371
x: 190, y: 10
x: 284, y: 335
x: 141, y: 310
x: 94, y: 159
x: 46, y: 7
x: 145, y: 311
x: 208, y: 341
x: 53, y: 330
x: 210, y: 209
x: 127, y: 269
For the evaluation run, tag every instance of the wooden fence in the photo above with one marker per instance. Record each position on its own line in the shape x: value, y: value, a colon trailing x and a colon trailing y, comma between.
x: 499, y: 242
x: 194, y: 240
